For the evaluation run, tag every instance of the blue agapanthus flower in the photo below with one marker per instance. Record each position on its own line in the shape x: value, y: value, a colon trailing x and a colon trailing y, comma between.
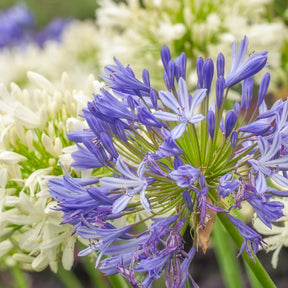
x: 18, y: 28
x: 16, y: 24
x: 173, y: 159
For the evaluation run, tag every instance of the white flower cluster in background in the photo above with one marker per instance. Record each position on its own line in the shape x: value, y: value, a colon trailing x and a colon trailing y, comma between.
x: 277, y: 237
x: 33, y: 127
x: 76, y: 53
x: 199, y: 28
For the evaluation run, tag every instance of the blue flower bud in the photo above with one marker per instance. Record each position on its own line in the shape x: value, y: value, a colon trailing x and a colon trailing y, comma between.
x: 131, y: 103
x: 247, y: 91
x: 211, y: 123
x: 170, y: 72
x: 181, y: 63
x: 119, y: 126
x: 199, y: 70
x: 177, y: 162
x: 187, y: 200
x: 230, y: 121
x: 165, y: 56
x: 108, y: 144
x: 233, y: 139
x: 237, y: 108
x: 263, y: 88
x: 220, y: 65
x: 220, y: 86
x: 208, y: 72
x: 146, y: 77
x: 153, y: 97
x: 202, y: 181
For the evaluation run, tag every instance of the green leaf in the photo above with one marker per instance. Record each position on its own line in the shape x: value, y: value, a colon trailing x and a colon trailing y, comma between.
x: 256, y: 267
x: 226, y: 257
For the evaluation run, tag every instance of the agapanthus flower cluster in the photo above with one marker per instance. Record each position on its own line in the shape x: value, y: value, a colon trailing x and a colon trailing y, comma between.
x: 33, y: 128
x: 276, y: 237
x: 17, y: 23
x: 18, y: 28
x: 168, y: 161
x: 204, y: 28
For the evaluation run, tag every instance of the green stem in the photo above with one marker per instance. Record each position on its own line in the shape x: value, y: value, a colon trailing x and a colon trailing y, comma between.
x: 225, y: 253
x: 19, y: 277
x: 95, y: 275
x: 256, y: 267
x: 118, y: 281
x: 253, y: 280
x: 68, y: 278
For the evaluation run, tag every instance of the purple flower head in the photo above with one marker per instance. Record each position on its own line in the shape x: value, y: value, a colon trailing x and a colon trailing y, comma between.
x: 147, y: 118
x: 241, y: 69
x: 185, y: 269
x: 266, y: 164
x: 16, y: 23
x: 131, y: 183
x: 169, y: 147
x: 183, y: 110
x: 107, y: 236
x: 249, y: 235
x: 53, y: 32
x: 266, y: 210
x: 122, y: 79
x: 185, y: 175
x: 157, y: 159
x: 227, y: 185
x: 85, y: 159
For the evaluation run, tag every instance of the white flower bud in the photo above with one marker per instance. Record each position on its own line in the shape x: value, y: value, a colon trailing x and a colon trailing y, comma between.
x: 26, y: 116
x: 19, y: 257
x: 48, y: 144
x: 20, y: 131
x: 29, y: 140
x: 5, y: 247
x: 41, y: 82
x: 74, y: 124
x: 40, y: 262
x: 68, y: 253
x: 65, y: 81
x: 58, y: 147
x: 10, y: 158
x: 51, y: 130
x: 3, y: 178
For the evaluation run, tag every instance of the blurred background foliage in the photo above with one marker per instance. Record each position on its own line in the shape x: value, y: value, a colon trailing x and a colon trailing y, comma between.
x: 46, y: 10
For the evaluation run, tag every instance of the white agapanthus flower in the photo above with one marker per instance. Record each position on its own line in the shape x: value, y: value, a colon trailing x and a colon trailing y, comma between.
x: 277, y: 237
x: 196, y: 27
x: 33, y: 127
